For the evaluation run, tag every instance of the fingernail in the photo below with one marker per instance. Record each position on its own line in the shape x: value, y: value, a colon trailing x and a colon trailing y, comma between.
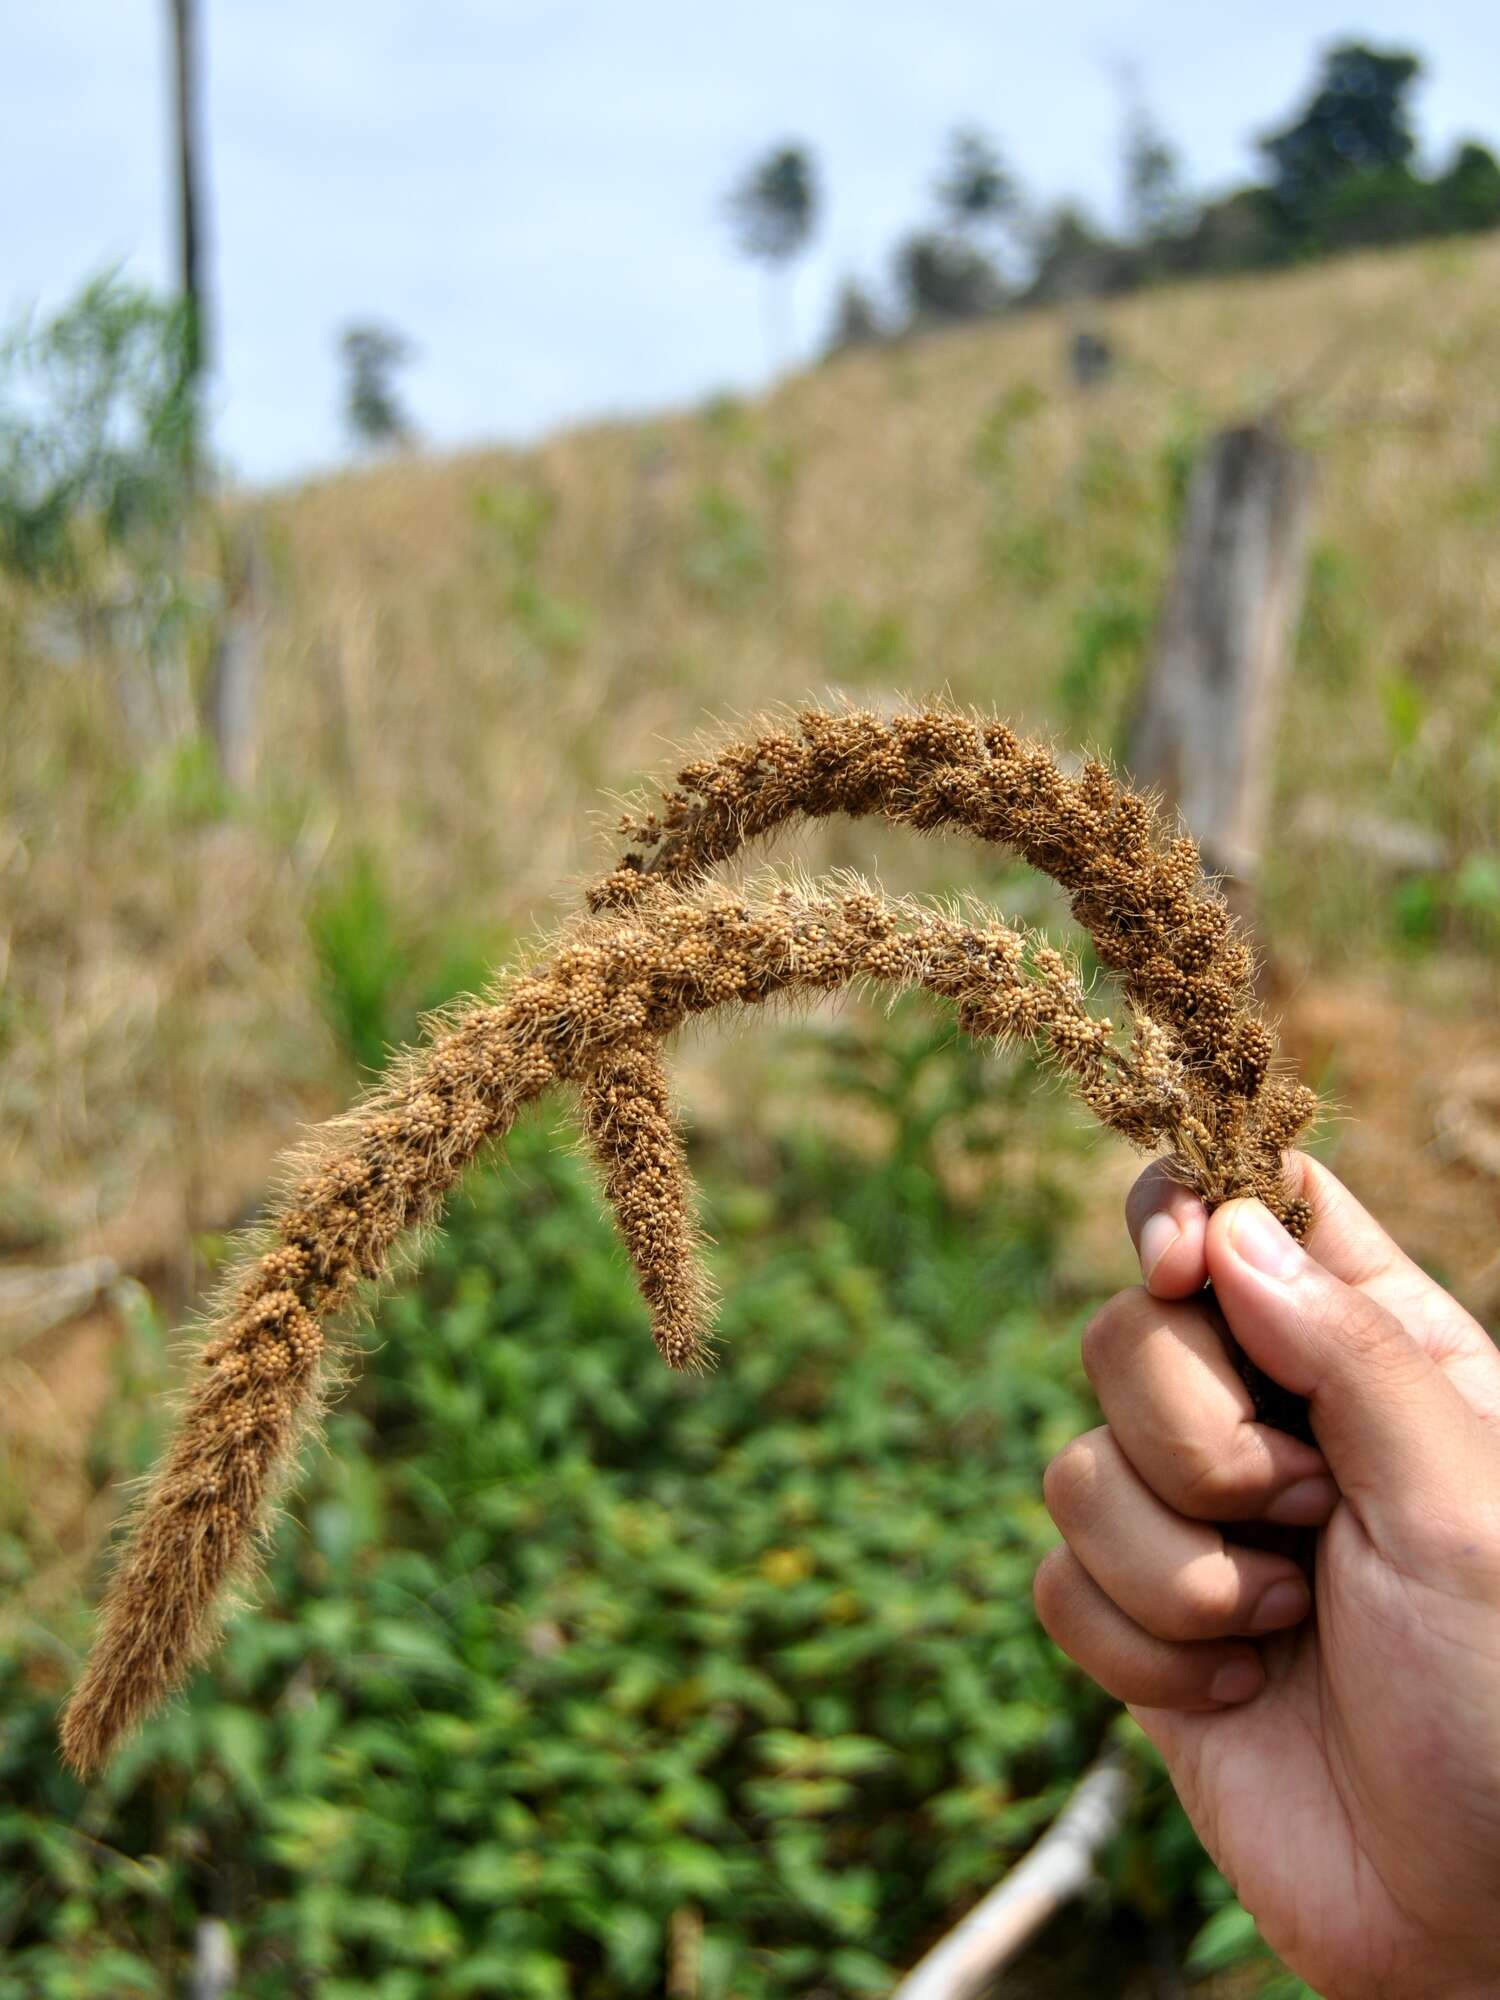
x: 1264, y: 1244
x: 1238, y: 1681
x: 1285, y: 1603
x: 1158, y: 1235
x: 1307, y: 1503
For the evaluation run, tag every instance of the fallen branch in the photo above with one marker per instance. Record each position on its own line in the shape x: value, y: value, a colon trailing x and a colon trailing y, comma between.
x: 35, y: 1300
x: 1057, y: 1869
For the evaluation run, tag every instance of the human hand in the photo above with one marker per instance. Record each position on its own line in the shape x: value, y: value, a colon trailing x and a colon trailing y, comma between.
x: 1337, y: 1748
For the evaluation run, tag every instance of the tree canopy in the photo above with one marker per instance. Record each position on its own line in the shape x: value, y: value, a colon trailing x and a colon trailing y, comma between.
x: 774, y: 209
x: 975, y: 185
x: 1357, y: 121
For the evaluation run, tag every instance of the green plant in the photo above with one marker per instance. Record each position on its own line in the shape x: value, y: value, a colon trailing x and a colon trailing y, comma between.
x: 1333, y: 637
x: 563, y: 1656
x: 1177, y: 456
x: 381, y: 967
x: 859, y: 643
x: 1229, y: 1942
x: 1109, y: 633
x: 1004, y: 424
x: 514, y: 522
x: 97, y: 414
x: 725, y: 556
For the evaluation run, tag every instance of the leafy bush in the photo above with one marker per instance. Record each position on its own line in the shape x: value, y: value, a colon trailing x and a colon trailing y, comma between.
x: 97, y: 418
x: 381, y: 967
x: 1110, y: 628
x: 941, y: 277
x: 514, y: 523
x: 725, y: 554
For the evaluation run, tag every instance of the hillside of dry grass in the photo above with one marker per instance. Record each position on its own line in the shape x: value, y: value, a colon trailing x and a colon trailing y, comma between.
x: 460, y: 656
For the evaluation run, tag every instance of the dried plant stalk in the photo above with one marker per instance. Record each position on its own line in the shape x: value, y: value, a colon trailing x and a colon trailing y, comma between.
x: 1191, y: 1070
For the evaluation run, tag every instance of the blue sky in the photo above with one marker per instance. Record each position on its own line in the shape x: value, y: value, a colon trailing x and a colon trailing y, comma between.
x: 532, y: 192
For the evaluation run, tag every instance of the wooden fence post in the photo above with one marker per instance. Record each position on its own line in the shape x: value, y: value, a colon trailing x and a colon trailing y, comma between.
x: 231, y: 694
x: 1206, y: 725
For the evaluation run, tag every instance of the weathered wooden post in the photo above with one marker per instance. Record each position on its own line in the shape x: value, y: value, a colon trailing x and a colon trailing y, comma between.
x: 1207, y: 720
x: 230, y: 696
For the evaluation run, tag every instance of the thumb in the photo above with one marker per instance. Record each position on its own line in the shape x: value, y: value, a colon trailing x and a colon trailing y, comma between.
x: 1386, y: 1417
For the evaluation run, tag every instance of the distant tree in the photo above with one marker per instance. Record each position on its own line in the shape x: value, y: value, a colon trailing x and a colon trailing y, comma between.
x: 372, y: 409
x: 856, y: 319
x: 1242, y: 231
x: 975, y: 187
x: 1074, y: 260
x: 1356, y: 122
x: 1380, y: 205
x: 1468, y: 195
x: 99, y: 491
x: 944, y: 277
x: 96, y: 439
x: 773, y: 211
x: 1154, y: 204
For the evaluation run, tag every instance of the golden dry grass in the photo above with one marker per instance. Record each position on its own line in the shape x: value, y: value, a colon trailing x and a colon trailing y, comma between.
x: 460, y: 655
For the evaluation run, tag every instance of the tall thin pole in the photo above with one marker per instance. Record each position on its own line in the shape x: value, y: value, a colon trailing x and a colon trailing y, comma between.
x: 189, y: 214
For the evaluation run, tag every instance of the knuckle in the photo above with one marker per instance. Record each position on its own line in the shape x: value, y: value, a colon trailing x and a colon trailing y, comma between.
x: 1366, y: 1324
x: 1205, y: 1483
x: 1327, y: 1305
x: 1071, y: 1482
x: 1202, y: 1602
x: 1335, y: 1316
x: 1096, y: 1338
x: 1050, y: 1589
x: 1120, y: 1316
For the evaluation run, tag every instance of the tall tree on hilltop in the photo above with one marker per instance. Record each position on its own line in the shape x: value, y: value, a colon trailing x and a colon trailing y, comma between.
x: 856, y: 319
x: 975, y: 187
x: 372, y: 406
x: 1357, y: 122
x: 1153, y: 199
x: 773, y: 211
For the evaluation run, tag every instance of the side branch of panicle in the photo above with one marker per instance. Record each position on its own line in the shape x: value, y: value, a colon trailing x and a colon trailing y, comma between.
x: 627, y: 1120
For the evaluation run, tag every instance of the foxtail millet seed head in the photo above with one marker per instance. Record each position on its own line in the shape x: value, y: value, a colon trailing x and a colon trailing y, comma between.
x: 1191, y: 1068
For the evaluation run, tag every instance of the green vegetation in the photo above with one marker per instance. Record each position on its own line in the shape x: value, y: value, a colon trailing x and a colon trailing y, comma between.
x: 96, y: 434
x: 568, y: 1664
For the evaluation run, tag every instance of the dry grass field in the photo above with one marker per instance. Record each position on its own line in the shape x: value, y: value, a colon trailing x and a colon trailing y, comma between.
x: 461, y: 657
